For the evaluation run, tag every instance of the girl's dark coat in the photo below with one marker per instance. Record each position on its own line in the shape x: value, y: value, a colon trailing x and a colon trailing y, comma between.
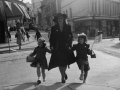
x: 40, y: 56
x: 61, y: 41
x: 82, y: 50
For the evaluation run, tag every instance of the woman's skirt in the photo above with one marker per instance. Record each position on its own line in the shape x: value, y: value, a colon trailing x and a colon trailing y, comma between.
x: 61, y: 58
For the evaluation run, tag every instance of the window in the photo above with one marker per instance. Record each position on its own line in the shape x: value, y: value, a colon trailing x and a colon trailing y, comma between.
x: 92, y: 6
x: 70, y: 12
x: 67, y: 12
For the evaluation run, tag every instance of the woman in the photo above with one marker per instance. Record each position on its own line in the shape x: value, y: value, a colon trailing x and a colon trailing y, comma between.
x: 19, y: 38
x: 60, y: 42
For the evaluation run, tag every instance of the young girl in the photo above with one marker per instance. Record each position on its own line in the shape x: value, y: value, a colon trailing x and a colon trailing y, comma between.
x: 40, y: 59
x: 82, y: 50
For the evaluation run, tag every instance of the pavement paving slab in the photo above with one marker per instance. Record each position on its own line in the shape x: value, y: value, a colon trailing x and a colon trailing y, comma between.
x: 89, y: 87
x: 1, y: 87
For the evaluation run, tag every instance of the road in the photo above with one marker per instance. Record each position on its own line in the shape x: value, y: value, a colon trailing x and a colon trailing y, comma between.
x: 16, y: 74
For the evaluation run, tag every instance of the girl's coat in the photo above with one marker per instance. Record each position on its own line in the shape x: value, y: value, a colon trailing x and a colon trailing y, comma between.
x: 40, y: 57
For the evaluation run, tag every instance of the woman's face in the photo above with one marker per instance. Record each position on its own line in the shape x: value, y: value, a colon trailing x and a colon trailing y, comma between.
x: 81, y: 40
x: 40, y: 43
x: 60, y: 19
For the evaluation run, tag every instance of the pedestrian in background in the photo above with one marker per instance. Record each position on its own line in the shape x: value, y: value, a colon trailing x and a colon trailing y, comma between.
x: 18, y: 24
x: 82, y: 50
x: 113, y: 33
x: 27, y: 35
x: 18, y: 35
x: 38, y: 34
x: 8, y: 33
x: 60, y: 41
x: 40, y: 59
x: 23, y: 33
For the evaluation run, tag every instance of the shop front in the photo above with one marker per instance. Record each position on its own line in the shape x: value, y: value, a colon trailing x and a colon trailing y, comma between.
x: 89, y: 25
x: 3, y: 23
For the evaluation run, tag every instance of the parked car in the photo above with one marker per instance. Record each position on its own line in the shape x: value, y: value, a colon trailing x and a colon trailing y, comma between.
x: 32, y: 26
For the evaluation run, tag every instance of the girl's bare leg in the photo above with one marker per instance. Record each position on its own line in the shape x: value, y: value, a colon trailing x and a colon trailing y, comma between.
x: 43, y: 74
x: 38, y: 73
x: 85, y: 76
x: 82, y: 72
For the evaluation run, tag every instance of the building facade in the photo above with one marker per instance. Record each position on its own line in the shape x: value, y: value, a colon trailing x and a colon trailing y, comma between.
x: 30, y: 9
x: 90, y: 14
x: 36, y: 10
x: 49, y: 9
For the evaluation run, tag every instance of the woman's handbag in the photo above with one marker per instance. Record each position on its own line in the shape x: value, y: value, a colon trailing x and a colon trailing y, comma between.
x: 30, y: 59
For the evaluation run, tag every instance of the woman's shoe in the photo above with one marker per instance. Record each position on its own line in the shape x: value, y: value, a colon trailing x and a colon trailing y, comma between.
x: 66, y: 77
x: 43, y: 80
x: 38, y: 81
x: 63, y: 81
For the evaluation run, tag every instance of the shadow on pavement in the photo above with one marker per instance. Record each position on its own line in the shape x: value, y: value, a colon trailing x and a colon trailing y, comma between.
x: 15, y: 45
x: 60, y: 86
x: 6, y: 51
x: 24, y: 86
x: 116, y: 46
x: 17, y: 50
x: 73, y: 86
x: 55, y: 86
x: 35, y: 86
x: 26, y: 49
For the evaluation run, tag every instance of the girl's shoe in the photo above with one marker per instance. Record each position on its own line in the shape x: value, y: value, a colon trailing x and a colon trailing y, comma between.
x: 81, y: 76
x: 19, y: 48
x: 38, y: 81
x: 66, y: 77
x: 43, y: 80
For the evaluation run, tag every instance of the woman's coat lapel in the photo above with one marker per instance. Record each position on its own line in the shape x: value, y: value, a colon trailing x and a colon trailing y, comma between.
x: 58, y: 28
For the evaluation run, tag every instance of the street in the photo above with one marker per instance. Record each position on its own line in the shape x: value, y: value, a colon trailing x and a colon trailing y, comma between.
x: 16, y: 73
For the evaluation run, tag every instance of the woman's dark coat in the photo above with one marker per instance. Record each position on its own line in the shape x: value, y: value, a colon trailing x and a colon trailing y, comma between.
x: 61, y: 41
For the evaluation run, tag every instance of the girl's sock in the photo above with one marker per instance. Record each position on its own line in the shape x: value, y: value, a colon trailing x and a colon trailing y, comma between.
x: 39, y: 78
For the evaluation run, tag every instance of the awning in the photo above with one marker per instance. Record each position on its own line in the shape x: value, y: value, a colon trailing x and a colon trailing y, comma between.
x: 15, y: 10
x: 25, y: 12
x: 16, y: 1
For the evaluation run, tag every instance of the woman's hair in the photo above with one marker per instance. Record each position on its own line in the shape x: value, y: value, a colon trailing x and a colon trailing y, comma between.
x: 43, y: 40
x: 82, y: 35
x: 55, y: 19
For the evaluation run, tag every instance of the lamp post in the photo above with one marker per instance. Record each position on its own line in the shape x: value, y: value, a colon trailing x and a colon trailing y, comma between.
x: 119, y: 21
x: 119, y: 27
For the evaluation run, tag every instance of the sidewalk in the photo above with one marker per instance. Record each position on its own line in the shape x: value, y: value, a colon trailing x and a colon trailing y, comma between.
x: 109, y: 46
x: 20, y: 76
x: 4, y: 48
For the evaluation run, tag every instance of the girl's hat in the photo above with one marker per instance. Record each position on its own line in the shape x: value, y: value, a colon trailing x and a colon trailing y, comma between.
x: 41, y: 39
x: 82, y: 35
